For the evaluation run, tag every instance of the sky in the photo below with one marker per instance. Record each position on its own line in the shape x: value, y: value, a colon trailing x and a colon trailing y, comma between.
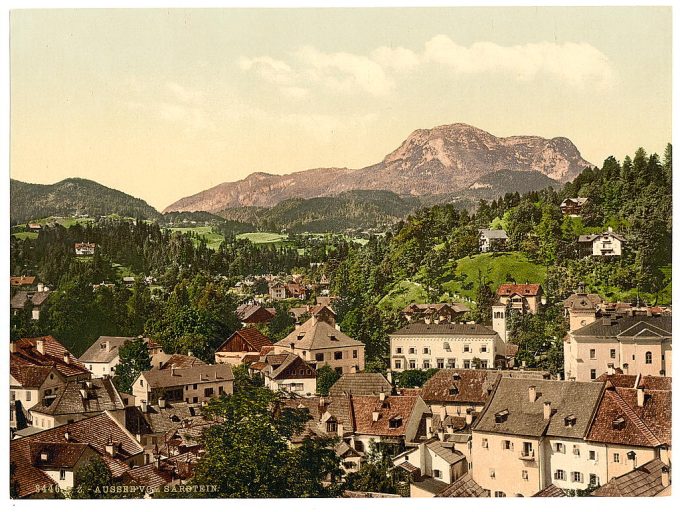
x: 165, y: 103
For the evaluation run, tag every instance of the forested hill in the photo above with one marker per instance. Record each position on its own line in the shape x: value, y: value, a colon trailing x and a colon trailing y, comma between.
x: 349, y: 210
x: 73, y: 196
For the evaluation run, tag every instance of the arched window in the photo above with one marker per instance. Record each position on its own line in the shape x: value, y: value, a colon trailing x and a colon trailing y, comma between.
x: 648, y: 358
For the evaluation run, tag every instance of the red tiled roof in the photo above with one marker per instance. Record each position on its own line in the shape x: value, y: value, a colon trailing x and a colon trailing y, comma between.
x: 30, y: 376
x: 392, y: 408
x: 643, y: 481
x: 21, y: 281
x: 647, y: 382
x: 472, y: 386
x: 26, y: 354
x: 506, y: 289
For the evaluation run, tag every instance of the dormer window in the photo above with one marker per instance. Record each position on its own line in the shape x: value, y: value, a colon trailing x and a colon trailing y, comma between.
x: 395, y: 422
x: 456, y: 376
x: 570, y: 421
x: 331, y: 425
x: 501, y: 416
x: 453, y: 390
x: 619, y: 423
x: 43, y: 456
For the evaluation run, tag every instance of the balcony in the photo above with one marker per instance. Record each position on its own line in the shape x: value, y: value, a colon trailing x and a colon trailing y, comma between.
x: 527, y: 455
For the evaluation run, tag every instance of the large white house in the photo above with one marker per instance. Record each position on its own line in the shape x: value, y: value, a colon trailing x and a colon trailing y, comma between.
x: 602, y: 244
x: 423, y: 346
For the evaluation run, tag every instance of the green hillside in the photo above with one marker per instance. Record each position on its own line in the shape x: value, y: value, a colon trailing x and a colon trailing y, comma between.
x: 73, y: 197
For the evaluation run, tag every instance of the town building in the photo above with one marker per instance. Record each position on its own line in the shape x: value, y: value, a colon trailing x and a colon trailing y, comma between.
x: 21, y: 281
x: 251, y: 314
x: 434, y: 313
x: 423, y: 346
x: 52, y: 457
x: 277, y: 290
x: 532, y: 434
x: 491, y: 240
x: 47, y: 351
x: 33, y: 300
x: 434, y: 459
x: 248, y: 341
x: 287, y: 372
x: 635, y: 343
x: 196, y: 384
x: 101, y: 358
x: 361, y: 384
x: 572, y: 206
x: 520, y: 298
x: 85, y: 249
x: 319, y: 342
x: 162, y: 472
x: 649, y: 479
x: 153, y: 424
x: 581, y: 308
x: 605, y: 244
x: 30, y: 385
x: 77, y: 400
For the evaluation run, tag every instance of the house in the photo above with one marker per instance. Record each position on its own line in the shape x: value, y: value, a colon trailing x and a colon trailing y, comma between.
x: 254, y: 314
x: 34, y: 226
x: 532, y: 434
x: 631, y: 427
x: 361, y: 384
x: 77, y: 400
x: 349, y: 457
x: 163, y: 361
x: 277, y: 290
x: 28, y: 386
x: 47, y: 351
x: 435, y: 459
x: 491, y: 240
x: 288, y: 372
x: 604, y: 244
x: 464, y: 487
x: 650, y: 479
x: 248, y: 341
x: 552, y: 491
x: 153, y: 424
x: 129, y: 281
x: 423, y: 346
x: 572, y: 206
x: 52, y: 457
x: 520, y: 298
x: 85, y: 249
x: 101, y: 358
x: 329, y: 417
x: 29, y: 299
x: 195, y: 384
x: 296, y: 291
x: 21, y: 280
x: 581, y: 308
x: 162, y: 472
x: 319, y: 342
x: 434, y: 313
x: 637, y: 343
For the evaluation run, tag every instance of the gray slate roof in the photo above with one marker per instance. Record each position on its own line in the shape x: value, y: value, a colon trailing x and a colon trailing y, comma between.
x: 101, y: 396
x: 361, y: 384
x: 464, y: 487
x: 445, y: 451
x: 525, y: 418
x: 643, y: 481
x: 192, y: 375
x: 97, y: 352
x: 445, y: 329
x: 315, y: 335
x: 661, y: 325
x: 20, y: 298
x: 498, y: 234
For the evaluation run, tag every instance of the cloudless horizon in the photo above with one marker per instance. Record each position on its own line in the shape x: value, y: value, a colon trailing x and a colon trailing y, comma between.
x: 165, y: 103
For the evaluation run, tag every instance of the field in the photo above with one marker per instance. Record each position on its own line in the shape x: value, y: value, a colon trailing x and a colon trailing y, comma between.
x: 23, y: 235
x: 462, y: 276
x: 403, y: 293
x: 263, y: 238
x: 212, y: 239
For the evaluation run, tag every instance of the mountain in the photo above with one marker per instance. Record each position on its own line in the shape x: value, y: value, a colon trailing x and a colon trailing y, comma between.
x: 357, y: 209
x: 440, y: 160
x: 495, y: 184
x: 73, y: 196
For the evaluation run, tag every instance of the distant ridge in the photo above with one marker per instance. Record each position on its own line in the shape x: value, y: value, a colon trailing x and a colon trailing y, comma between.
x: 435, y: 161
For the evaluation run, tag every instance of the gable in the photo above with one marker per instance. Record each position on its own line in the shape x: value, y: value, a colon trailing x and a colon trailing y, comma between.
x: 298, y: 369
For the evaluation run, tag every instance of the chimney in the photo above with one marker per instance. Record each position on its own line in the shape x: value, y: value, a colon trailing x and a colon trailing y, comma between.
x: 341, y: 430
x: 83, y: 393
x: 40, y: 346
x: 13, y: 347
x: 547, y: 411
x: 66, y: 359
x: 440, y: 434
x: 382, y: 397
x: 389, y: 376
x: 665, y: 477
x: 190, y: 353
x: 428, y: 426
x: 532, y: 394
x: 640, y: 397
x: 610, y: 230
x: 67, y: 436
x: 161, y: 402
x: 610, y: 369
x: 468, y: 417
x: 111, y: 448
x: 172, y: 370
x: 143, y: 406
x: 376, y: 415
x: 292, y: 346
x: 442, y: 413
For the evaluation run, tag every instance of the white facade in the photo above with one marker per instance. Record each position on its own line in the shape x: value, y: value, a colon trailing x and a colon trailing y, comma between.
x: 573, y: 463
x: 299, y: 385
x: 102, y: 369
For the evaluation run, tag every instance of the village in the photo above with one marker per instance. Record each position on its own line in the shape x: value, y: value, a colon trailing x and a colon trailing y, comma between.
x: 482, y: 424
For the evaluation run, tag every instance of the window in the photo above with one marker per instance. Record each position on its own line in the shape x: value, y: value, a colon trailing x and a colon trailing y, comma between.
x: 359, y: 446
x: 355, y: 354
x: 648, y: 358
x: 594, y: 480
x: 399, y: 350
x: 28, y: 396
x: 397, y: 364
x: 426, y: 364
x: 527, y: 449
x: 447, y: 347
x: 208, y: 392
x: 450, y: 363
x: 483, y: 363
x: 90, y: 367
x: 577, y: 451
x: 440, y: 363
x: 436, y: 473
x: 492, y: 473
x: 331, y: 425
x: 576, y: 476
x: 617, y: 457
x: 62, y: 474
x: 141, y: 382
x: 525, y: 474
x: 592, y: 353
x: 395, y: 422
x: 466, y: 347
x: 426, y: 350
x: 195, y: 400
x: 560, y: 448
x: 466, y: 363
x: 506, y: 445
x: 592, y: 455
x: 412, y: 364
x: 485, y: 443
x: 318, y: 357
x: 499, y: 494
x: 593, y: 374
x: 220, y: 390
x: 482, y: 348
x: 337, y: 355
x: 411, y: 350
x: 612, y: 353
x: 195, y: 386
x: 12, y: 396
x: 559, y: 475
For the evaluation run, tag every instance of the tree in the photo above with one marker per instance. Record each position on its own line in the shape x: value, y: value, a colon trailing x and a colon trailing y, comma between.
x: 375, y: 474
x: 133, y: 359
x: 281, y: 325
x: 248, y: 452
x: 91, y: 479
x: 413, y: 378
x: 326, y: 376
